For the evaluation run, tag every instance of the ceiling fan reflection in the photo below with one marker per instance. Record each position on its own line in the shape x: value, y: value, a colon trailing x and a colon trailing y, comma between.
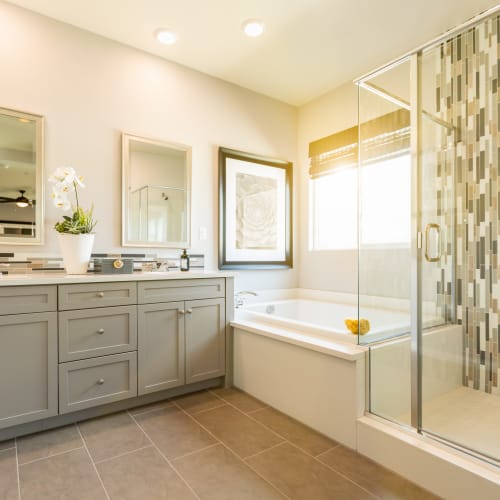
x: 21, y: 201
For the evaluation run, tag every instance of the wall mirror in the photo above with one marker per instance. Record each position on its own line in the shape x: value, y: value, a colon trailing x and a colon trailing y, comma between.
x: 156, y: 193
x: 21, y: 178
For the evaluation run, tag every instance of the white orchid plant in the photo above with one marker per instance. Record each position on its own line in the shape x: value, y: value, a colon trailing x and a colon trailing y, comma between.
x: 65, y: 181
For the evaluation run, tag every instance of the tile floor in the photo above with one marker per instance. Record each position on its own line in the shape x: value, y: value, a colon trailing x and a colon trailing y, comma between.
x: 220, y: 444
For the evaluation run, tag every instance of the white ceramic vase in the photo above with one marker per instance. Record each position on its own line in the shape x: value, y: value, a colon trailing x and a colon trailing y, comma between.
x: 76, y: 250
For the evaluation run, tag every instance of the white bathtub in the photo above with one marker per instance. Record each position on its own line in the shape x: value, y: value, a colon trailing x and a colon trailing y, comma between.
x: 293, y: 351
x: 326, y: 319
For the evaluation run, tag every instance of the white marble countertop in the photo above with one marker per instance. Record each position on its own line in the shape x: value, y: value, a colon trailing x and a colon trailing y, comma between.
x: 55, y: 278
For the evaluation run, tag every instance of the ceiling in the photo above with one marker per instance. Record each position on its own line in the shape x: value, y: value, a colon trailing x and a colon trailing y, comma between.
x: 308, y: 47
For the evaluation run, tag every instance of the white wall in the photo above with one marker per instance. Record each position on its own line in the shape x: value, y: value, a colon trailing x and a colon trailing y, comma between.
x: 90, y: 89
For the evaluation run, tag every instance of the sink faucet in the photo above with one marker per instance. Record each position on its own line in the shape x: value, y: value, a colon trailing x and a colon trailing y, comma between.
x: 239, y: 301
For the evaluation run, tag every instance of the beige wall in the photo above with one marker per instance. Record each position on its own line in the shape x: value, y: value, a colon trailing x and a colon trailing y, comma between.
x: 383, y: 272
x: 333, y: 112
x: 90, y: 89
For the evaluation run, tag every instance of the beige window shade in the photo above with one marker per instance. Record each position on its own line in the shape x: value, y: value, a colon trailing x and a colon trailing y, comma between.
x: 382, y: 137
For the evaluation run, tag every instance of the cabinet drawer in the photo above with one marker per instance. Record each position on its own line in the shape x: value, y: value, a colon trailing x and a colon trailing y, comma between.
x: 27, y: 299
x: 186, y: 289
x: 89, y: 333
x: 97, y: 381
x: 97, y: 295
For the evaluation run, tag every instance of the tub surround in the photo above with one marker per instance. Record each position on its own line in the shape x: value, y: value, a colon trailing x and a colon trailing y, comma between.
x: 94, y: 344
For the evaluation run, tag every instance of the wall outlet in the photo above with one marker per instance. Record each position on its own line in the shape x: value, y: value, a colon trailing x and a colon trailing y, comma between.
x: 202, y: 233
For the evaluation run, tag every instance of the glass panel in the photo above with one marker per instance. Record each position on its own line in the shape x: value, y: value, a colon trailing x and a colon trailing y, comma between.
x: 384, y: 239
x: 460, y: 391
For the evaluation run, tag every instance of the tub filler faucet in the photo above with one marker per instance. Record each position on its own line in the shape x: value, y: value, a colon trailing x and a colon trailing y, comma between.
x: 239, y: 300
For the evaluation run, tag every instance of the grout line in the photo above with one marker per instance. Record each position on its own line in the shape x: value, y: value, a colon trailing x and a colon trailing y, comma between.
x: 195, y: 451
x: 326, y: 451
x: 121, y: 454
x: 242, y: 392
x: 233, y: 453
x: 169, y: 462
x: 257, y: 410
x: 207, y: 409
x: 263, y: 451
x: 17, y: 470
x: 167, y: 405
x: 92, y: 461
x: 337, y: 472
x: 50, y: 456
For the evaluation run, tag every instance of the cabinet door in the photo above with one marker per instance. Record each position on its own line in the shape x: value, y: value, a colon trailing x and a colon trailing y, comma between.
x: 160, y: 346
x: 205, y: 339
x: 28, y: 367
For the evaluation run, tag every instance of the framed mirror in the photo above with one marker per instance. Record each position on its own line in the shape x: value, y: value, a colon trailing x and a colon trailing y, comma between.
x: 21, y: 178
x: 156, y: 193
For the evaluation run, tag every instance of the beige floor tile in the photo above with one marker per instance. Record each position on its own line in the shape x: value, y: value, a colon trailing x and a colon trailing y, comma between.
x: 8, y: 443
x: 48, y: 443
x: 240, y: 399
x: 112, y: 435
x: 302, y: 436
x: 216, y: 473
x: 373, y: 477
x: 70, y: 476
x: 240, y: 433
x: 150, y: 407
x: 198, y: 401
x: 174, y: 432
x: 142, y: 474
x: 8, y: 475
x: 301, y: 477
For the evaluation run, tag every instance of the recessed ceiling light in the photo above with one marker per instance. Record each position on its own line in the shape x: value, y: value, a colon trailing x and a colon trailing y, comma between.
x: 165, y: 36
x: 253, y: 27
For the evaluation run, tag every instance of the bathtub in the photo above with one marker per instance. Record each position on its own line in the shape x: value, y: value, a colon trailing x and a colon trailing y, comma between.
x: 292, y: 350
x: 325, y: 319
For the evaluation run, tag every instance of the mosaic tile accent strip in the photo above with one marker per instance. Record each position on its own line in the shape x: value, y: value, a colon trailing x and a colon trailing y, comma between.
x: 467, y: 96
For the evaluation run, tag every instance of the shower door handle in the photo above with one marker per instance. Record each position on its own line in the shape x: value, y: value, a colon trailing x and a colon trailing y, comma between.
x: 429, y: 230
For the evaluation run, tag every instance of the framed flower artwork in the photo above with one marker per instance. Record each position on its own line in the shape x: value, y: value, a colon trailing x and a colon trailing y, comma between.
x: 255, y: 211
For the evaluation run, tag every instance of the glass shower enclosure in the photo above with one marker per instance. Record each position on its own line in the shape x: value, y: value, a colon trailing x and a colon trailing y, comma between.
x: 429, y: 225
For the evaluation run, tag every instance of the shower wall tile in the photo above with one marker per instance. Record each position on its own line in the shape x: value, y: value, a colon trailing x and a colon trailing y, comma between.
x: 467, y: 96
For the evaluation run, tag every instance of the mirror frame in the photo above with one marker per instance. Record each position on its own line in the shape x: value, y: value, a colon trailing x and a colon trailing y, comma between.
x: 39, y: 180
x: 126, y: 242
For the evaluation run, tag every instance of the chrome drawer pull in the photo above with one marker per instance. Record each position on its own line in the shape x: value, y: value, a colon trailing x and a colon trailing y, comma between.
x: 100, y: 294
x: 181, y: 311
x: 189, y: 311
x: 100, y: 331
x: 100, y: 381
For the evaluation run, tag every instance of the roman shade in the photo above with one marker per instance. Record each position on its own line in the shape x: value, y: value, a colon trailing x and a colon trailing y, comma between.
x: 382, y: 137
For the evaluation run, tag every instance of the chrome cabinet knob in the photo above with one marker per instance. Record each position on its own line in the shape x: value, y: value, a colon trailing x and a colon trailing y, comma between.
x: 189, y: 311
x: 100, y: 381
x: 100, y: 331
x: 181, y: 311
x: 100, y: 294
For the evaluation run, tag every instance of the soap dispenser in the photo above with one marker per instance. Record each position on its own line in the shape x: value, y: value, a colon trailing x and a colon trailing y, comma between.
x: 184, y: 261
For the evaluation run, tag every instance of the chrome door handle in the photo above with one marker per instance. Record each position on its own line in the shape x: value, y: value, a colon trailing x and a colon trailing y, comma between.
x: 429, y: 257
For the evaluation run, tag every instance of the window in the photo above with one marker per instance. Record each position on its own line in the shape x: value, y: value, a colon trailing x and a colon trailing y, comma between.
x: 385, y: 208
x: 384, y: 185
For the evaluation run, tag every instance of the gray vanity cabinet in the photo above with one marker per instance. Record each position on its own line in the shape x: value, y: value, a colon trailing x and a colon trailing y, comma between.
x: 205, y: 339
x: 28, y: 357
x: 160, y: 346
x: 182, y: 341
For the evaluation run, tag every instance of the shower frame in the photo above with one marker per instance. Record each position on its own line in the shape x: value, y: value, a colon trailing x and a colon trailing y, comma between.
x: 417, y: 114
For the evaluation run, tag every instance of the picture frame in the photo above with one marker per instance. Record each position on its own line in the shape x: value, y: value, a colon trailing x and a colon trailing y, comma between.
x: 255, y: 211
